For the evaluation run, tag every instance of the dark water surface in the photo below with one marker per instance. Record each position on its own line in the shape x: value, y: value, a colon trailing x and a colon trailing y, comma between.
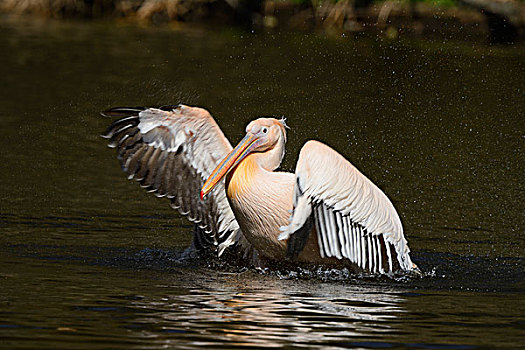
x: 88, y: 260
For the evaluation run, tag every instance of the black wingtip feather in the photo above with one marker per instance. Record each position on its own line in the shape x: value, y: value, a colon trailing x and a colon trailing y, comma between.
x: 119, y: 124
x: 122, y: 111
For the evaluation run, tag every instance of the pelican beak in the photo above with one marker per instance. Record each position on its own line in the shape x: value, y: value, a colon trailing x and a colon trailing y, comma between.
x: 233, y: 158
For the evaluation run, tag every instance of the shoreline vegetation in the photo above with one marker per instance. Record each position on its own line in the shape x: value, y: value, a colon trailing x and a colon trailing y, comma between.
x: 495, y: 21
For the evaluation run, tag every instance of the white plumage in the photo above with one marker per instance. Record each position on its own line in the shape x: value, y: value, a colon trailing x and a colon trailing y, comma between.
x: 354, y: 211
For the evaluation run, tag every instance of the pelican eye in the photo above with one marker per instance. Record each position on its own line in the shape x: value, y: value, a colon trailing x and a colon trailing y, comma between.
x: 265, y: 130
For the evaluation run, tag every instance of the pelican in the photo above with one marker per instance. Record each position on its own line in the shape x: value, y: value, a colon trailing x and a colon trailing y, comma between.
x: 326, y: 213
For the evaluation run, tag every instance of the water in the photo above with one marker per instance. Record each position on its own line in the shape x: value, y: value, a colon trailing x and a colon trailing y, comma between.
x: 88, y: 260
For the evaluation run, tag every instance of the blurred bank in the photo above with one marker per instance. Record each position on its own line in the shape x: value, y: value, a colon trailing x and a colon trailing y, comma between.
x: 494, y: 21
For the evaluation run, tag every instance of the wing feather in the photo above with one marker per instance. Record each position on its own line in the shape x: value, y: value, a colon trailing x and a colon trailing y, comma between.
x: 380, y: 247
x: 362, y: 242
x: 320, y: 236
x: 170, y: 151
x: 325, y: 249
x: 355, y: 220
x: 354, y: 243
x: 357, y: 241
x: 347, y: 228
x: 331, y: 231
x: 389, y: 255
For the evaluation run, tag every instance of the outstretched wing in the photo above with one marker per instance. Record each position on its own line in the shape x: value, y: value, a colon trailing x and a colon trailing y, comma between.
x: 170, y: 152
x: 353, y: 218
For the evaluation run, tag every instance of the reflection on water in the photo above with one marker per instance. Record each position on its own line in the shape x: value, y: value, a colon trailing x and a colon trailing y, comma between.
x: 90, y: 260
x: 271, y: 314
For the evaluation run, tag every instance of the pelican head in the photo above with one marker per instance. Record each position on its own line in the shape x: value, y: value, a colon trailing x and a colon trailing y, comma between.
x: 266, y: 136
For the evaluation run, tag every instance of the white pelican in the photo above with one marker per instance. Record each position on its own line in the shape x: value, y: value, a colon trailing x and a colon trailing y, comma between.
x: 326, y: 213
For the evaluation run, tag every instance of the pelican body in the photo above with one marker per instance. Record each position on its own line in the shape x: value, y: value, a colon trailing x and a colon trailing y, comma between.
x: 327, y: 212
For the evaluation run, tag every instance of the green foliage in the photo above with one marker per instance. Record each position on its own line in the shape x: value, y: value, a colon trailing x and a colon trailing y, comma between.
x: 438, y: 2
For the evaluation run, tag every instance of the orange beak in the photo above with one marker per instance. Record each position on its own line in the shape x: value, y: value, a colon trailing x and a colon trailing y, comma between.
x: 233, y: 158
